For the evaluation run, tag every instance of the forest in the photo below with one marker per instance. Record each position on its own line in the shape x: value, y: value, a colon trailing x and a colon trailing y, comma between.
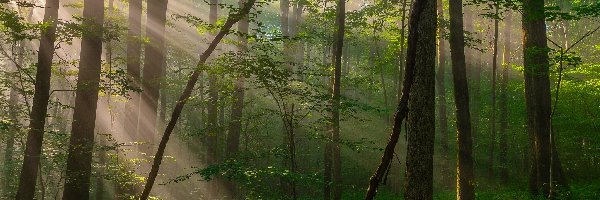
x: 299, y: 99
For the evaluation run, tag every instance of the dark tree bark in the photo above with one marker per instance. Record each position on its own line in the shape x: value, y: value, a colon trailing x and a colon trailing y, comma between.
x: 421, y: 53
x: 465, y: 177
x: 338, y: 45
x: 81, y: 144
x: 492, y: 145
x: 37, y: 118
x: 176, y: 113
x: 134, y: 46
x: 503, y: 100
x: 537, y: 84
x: 420, y: 130
x: 441, y: 87
x: 154, y: 62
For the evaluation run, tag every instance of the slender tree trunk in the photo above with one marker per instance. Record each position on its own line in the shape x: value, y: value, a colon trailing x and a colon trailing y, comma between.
x: 441, y: 86
x: 37, y: 118
x: 8, y: 167
x: 465, y: 177
x: 503, y: 104
x: 420, y: 65
x: 338, y: 46
x: 492, y: 145
x: 154, y: 61
x: 134, y: 46
x: 212, y: 110
x: 185, y: 95
x: 81, y: 144
x: 402, y: 52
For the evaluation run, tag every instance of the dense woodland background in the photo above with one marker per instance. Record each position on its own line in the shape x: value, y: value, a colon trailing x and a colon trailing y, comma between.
x: 301, y: 99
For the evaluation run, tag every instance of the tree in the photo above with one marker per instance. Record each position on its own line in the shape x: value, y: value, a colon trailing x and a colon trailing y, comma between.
x: 441, y: 87
x: 503, y: 100
x: 492, y: 144
x: 537, y: 88
x: 338, y: 45
x: 465, y: 177
x: 154, y: 62
x: 421, y: 53
x: 130, y: 123
x: 185, y: 95
x: 235, y: 125
x: 212, y: 108
x: 37, y: 118
x: 77, y: 182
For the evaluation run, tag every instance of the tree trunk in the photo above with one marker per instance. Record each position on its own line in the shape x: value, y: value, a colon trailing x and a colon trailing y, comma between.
x: 441, y: 87
x: 338, y: 45
x: 176, y: 113
x: 503, y: 104
x: 12, y: 132
x: 420, y: 130
x: 465, y: 177
x: 212, y: 111
x: 536, y: 63
x: 492, y: 145
x: 420, y: 52
x: 81, y: 144
x: 134, y: 46
x: 37, y: 118
x: 154, y: 61
x: 401, y: 65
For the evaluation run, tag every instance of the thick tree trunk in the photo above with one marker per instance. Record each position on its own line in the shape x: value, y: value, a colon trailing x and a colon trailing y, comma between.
x: 492, y: 145
x: 154, y: 61
x: 176, y: 113
x: 420, y: 53
x: 37, y: 118
x: 465, y: 177
x: 420, y: 130
x: 536, y: 63
x: 134, y: 45
x: 81, y: 144
x: 441, y: 87
x: 503, y: 104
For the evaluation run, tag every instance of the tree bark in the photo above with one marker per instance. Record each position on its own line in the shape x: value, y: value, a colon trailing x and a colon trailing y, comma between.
x: 441, y: 86
x: 503, y: 103
x: 492, y: 145
x: 212, y: 110
x: 37, y: 118
x: 338, y: 45
x: 420, y: 52
x: 154, y: 62
x: 176, y: 113
x: 81, y: 144
x: 134, y: 46
x: 420, y: 130
x: 536, y: 63
x: 465, y: 177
